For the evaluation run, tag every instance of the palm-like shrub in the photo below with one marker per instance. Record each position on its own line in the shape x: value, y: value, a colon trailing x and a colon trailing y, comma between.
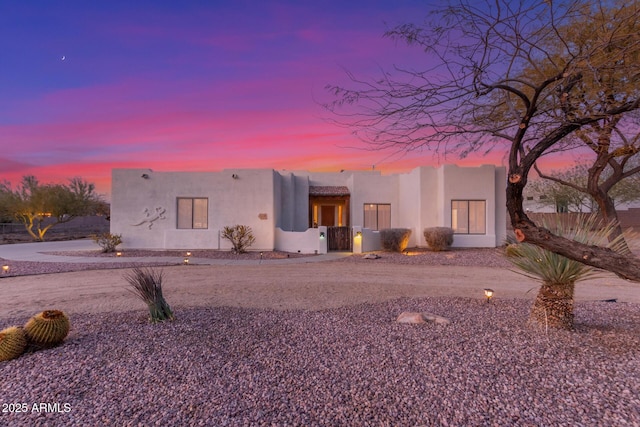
x: 147, y: 284
x: 240, y: 236
x: 439, y: 238
x: 553, y: 306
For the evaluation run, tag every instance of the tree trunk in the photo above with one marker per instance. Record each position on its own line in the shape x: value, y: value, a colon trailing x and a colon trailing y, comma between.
x: 553, y: 306
x: 608, y: 211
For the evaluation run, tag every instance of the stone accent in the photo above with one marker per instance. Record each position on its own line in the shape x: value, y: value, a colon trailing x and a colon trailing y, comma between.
x: 418, y: 318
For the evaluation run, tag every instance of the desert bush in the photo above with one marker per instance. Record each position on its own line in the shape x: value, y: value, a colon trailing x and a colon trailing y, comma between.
x: 107, y: 241
x: 439, y: 238
x: 147, y: 284
x: 395, y: 239
x: 240, y: 236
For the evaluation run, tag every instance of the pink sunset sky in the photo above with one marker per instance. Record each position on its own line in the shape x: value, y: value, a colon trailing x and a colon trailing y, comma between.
x: 190, y: 85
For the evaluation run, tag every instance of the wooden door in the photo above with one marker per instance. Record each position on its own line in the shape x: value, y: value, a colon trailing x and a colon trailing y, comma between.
x: 328, y: 215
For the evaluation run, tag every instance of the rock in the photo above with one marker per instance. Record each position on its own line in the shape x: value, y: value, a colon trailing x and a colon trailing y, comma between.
x: 409, y: 317
x: 429, y: 317
x: 416, y: 318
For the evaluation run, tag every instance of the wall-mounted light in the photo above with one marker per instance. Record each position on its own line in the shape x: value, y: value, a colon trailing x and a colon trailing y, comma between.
x: 358, y: 233
x: 5, y: 269
x: 488, y: 293
x: 185, y: 261
x: 188, y: 254
x: 234, y: 176
x: 118, y: 254
x: 144, y: 176
x: 322, y: 234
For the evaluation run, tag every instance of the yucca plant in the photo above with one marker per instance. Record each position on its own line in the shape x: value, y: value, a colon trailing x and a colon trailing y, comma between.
x: 553, y: 306
x: 147, y: 284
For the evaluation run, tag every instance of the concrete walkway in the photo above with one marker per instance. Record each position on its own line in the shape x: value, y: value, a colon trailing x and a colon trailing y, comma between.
x: 37, y: 252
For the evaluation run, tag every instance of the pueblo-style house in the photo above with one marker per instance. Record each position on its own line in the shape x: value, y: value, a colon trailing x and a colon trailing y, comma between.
x: 307, y: 212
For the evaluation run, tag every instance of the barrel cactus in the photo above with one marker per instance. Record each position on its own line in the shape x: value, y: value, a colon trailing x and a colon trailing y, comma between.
x: 48, y: 328
x: 13, y: 342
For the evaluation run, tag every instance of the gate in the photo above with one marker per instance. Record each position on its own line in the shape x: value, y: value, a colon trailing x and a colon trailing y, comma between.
x: 339, y: 239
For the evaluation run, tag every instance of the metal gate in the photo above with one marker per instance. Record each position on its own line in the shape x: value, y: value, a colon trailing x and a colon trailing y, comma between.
x: 339, y: 239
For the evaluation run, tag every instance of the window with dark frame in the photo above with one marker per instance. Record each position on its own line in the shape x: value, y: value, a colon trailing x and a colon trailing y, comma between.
x: 193, y: 213
x: 377, y: 216
x: 469, y: 216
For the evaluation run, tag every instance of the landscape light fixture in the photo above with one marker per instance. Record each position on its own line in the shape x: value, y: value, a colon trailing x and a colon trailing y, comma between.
x: 186, y: 261
x: 234, y: 176
x: 488, y: 293
x: 188, y: 253
x: 5, y: 269
x: 144, y: 176
x: 118, y: 254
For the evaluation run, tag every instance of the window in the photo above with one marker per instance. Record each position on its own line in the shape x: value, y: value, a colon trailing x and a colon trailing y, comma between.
x: 468, y: 216
x: 193, y: 212
x: 377, y: 216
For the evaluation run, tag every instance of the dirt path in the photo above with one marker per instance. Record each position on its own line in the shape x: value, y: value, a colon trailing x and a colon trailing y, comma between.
x: 296, y: 286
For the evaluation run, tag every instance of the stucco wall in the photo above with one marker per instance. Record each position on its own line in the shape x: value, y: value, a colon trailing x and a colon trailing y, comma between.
x: 310, y: 241
x: 265, y: 199
x: 473, y: 184
x: 377, y: 189
x: 247, y: 199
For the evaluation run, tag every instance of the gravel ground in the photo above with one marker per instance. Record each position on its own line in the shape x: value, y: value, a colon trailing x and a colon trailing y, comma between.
x: 346, y: 366
x: 28, y: 268
x: 338, y: 367
x: 491, y: 257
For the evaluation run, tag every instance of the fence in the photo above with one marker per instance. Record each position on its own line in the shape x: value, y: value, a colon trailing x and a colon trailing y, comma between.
x: 627, y: 218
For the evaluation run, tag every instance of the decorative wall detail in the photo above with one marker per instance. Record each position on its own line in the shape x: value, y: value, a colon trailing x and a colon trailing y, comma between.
x: 262, y: 216
x: 151, y: 216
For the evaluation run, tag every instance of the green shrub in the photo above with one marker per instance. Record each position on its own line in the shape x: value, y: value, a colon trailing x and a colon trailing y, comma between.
x: 395, y: 239
x: 147, y: 284
x: 439, y: 238
x: 240, y: 236
x: 107, y: 241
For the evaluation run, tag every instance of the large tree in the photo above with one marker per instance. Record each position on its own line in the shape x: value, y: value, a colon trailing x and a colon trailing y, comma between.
x: 613, y: 172
x: 570, y: 187
x: 42, y: 206
x: 478, y: 92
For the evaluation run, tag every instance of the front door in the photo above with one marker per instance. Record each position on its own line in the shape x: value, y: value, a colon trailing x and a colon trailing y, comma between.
x: 328, y: 215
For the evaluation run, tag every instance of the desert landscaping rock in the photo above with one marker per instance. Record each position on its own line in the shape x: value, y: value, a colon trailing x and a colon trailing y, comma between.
x: 418, y: 318
x: 342, y: 366
x: 316, y: 345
